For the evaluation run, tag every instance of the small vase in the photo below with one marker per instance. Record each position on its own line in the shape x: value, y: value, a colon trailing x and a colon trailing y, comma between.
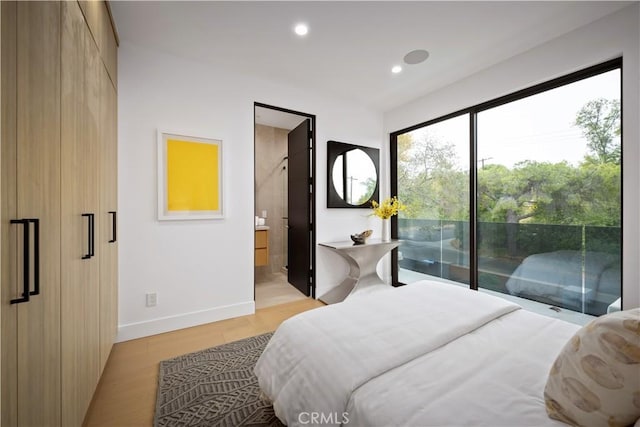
x: 386, y: 230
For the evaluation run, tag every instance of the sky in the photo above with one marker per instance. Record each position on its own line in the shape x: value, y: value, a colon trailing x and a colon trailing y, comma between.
x: 538, y: 128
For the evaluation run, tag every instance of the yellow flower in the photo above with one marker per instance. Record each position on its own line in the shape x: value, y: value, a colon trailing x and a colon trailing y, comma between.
x: 389, y: 207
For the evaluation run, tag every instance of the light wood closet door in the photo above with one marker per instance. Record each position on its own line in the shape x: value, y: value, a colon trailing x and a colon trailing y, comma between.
x: 80, y: 266
x: 31, y: 142
x: 109, y: 46
x: 99, y: 21
x: 93, y: 67
x: 108, y: 238
x: 9, y: 210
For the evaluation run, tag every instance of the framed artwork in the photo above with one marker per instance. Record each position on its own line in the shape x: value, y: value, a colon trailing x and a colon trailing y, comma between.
x: 189, y: 177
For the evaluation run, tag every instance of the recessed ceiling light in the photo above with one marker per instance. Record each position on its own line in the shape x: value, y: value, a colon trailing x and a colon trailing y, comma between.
x: 301, y: 29
x: 416, y: 56
x: 396, y: 69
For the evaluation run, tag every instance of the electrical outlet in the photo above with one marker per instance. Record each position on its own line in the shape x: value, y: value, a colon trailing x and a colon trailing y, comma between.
x: 152, y: 299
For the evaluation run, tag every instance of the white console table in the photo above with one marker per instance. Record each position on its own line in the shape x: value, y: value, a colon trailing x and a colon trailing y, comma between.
x: 362, y: 260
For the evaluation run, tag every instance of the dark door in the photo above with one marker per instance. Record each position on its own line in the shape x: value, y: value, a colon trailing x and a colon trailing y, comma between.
x: 299, y: 203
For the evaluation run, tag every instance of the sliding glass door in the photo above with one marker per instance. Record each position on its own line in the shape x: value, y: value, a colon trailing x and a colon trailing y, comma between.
x: 544, y: 223
x: 433, y: 182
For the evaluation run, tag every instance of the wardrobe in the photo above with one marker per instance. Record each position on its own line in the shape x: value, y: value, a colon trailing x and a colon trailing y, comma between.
x: 58, y: 229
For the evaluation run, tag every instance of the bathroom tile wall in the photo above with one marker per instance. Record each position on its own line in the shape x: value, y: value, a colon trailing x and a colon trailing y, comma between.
x: 271, y: 149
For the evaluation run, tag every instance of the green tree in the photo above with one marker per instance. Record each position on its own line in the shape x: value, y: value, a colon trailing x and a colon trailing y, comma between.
x: 600, y: 194
x: 429, y: 182
x: 370, y: 186
x: 433, y: 186
x: 599, y: 121
x: 547, y: 193
x: 530, y: 192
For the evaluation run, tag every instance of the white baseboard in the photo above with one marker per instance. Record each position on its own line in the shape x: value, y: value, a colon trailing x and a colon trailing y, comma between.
x: 171, y: 323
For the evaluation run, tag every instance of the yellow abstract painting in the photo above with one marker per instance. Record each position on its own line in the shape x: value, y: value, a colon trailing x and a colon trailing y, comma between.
x: 191, y: 177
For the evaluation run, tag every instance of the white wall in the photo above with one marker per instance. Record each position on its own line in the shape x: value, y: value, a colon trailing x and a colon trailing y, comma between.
x: 605, y: 39
x: 202, y: 271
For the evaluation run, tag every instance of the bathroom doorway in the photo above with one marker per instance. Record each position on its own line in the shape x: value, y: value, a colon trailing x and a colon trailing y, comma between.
x: 284, y: 204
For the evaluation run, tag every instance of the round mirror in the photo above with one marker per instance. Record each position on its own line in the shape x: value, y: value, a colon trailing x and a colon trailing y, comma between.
x: 354, y: 177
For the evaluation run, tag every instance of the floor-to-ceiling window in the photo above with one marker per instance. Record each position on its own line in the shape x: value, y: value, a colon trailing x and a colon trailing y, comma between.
x: 433, y: 182
x: 545, y: 220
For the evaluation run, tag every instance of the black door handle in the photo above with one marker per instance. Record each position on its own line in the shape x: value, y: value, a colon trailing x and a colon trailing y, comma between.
x: 93, y: 234
x: 25, y: 261
x: 89, y: 233
x: 114, y: 227
x: 36, y: 255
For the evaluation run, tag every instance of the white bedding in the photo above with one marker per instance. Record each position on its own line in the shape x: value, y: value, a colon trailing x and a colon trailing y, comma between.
x: 316, y: 360
x: 493, y: 376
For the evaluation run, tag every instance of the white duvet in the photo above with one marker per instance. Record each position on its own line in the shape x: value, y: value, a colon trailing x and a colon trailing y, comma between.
x: 493, y: 376
x: 317, y: 360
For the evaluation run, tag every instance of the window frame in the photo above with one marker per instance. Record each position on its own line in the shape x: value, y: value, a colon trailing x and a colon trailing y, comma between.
x: 473, y: 111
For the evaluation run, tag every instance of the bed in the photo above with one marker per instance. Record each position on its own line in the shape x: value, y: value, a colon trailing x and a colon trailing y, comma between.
x: 406, y: 356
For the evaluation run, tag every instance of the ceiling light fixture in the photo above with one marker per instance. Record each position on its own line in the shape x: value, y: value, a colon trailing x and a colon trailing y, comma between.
x: 301, y: 29
x: 416, y: 56
x: 396, y: 69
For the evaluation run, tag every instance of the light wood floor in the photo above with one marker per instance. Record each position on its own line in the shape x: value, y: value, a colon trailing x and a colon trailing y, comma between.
x: 274, y: 289
x: 127, y: 390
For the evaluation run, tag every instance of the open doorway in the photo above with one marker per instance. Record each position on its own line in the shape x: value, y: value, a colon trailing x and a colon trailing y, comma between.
x: 284, y: 205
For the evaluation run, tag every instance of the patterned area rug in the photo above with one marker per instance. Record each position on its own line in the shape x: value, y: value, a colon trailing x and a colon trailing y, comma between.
x: 214, y: 387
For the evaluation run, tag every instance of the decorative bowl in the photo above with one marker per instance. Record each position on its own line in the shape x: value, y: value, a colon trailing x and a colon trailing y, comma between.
x: 361, y: 238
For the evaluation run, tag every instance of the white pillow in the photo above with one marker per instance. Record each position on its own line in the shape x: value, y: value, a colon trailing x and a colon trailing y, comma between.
x: 595, y: 380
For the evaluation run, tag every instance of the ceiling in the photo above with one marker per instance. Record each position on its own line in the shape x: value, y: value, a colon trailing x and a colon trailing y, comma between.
x: 351, y: 46
x: 276, y: 118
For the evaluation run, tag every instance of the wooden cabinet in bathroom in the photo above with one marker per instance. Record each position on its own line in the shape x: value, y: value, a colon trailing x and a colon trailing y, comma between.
x: 261, y: 248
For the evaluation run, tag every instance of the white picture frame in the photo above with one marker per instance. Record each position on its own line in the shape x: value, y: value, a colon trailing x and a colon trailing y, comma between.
x: 190, y: 177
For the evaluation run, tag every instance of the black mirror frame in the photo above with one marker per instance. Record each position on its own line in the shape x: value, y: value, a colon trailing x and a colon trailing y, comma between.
x: 336, y: 148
